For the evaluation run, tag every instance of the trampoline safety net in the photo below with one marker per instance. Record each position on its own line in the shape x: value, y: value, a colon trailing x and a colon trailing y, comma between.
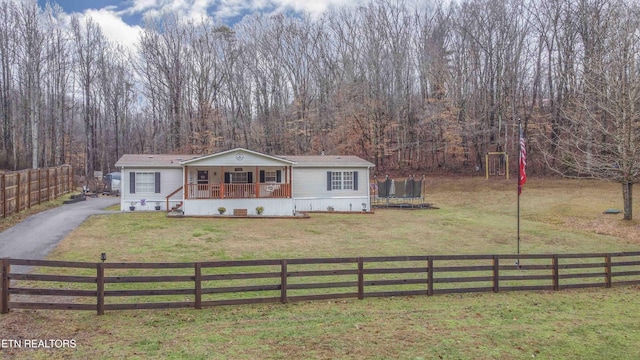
x: 409, y: 188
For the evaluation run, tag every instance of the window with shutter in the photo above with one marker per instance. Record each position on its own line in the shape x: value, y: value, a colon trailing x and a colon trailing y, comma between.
x: 157, y: 182
x: 144, y: 182
x: 132, y: 183
x: 342, y: 180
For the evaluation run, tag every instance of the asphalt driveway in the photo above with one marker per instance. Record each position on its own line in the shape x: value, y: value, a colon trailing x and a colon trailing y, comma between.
x: 38, y: 234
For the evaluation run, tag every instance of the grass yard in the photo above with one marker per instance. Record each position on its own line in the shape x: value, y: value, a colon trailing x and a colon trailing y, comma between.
x: 476, y: 216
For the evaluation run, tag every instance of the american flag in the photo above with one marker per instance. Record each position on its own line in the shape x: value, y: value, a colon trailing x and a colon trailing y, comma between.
x: 523, y: 163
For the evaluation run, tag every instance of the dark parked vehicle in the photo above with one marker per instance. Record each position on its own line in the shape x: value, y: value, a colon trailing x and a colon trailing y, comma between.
x: 112, y: 183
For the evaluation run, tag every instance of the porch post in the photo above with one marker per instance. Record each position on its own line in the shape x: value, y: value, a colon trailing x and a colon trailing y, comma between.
x: 257, y: 182
x: 290, y: 182
x: 222, y: 183
x: 186, y: 183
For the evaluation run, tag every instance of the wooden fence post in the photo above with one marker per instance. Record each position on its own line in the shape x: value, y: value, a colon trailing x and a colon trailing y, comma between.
x: 48, y: 184
x: 29, y: 189
x: 4, y: 196
x: 55, y: 183
x: 430, y: 275
x: 68, y: 184
x: 198, y: 279
x: 607, y: 271
x: 39, y: 186
x: 496, y: 273
x: 100, y: 281
x: 18, y: 193
x: 6, y: 269
x: 283, y: 281
x: 360, y: 278
x: 556, y: 277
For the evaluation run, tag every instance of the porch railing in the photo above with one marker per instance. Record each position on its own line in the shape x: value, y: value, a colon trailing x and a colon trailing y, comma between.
x: 238, y: 191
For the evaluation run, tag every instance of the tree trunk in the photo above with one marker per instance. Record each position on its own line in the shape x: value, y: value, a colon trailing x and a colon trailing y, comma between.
x: 627, y: 194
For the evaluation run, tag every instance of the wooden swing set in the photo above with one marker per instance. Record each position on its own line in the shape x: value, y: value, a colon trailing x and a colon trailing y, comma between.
x: 497, y: 164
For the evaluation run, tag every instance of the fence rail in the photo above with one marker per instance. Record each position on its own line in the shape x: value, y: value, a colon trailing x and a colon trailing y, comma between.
x: 124, y: 286
x: 23, y: 189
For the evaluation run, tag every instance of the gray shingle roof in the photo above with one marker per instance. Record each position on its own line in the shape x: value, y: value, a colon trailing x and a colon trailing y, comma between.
x: 169, y: 161
x: 328, y: 160
x: 153, y: 160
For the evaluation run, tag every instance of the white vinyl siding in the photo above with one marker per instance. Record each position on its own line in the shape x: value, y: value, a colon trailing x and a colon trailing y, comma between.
x: 158, y: 183
x: 313, y: 182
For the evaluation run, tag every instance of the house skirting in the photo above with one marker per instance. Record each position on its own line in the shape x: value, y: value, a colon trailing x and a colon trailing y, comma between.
x: 272, y: 207
x: 343, y: 204
x: 276, y: 207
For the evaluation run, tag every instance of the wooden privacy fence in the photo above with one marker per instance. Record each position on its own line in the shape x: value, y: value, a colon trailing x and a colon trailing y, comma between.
x: 120, y: 286
x: 22, y: 189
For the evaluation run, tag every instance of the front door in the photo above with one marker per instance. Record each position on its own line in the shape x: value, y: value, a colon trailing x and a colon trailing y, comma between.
x: 203, y: 183
x: 203, y: 177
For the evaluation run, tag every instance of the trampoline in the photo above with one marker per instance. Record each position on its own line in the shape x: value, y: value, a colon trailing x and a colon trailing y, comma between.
x: 407, y: 193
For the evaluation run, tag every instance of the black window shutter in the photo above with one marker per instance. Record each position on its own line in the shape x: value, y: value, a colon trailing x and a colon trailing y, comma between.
x: 261, y: 176
x: 328, y: 180
x: 157, y: 182
x: 279, y: 176
x: 227, y: 178
x: 250, y: 177
x: 355, y: 180
x: 132, y: 182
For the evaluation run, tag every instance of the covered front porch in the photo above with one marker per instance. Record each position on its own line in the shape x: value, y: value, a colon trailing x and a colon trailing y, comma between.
x: 238, y: 191
x: 237, y: 179
x: 222, y: 182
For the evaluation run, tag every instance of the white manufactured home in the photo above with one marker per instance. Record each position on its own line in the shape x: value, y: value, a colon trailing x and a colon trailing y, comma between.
x: 241, y: 181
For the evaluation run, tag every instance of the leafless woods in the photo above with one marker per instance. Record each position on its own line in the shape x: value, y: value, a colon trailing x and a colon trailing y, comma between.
x: 412, y: 89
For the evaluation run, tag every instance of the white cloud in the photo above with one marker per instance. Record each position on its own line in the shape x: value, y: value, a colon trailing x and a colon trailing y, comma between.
x: 113, y: 27
x: 231, y: 8
x: 225, y: 9
x: 141, y: 6
x: 315, y: 7
x: 117, y: 30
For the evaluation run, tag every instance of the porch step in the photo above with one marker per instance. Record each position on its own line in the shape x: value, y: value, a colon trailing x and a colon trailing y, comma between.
x: 177, y: 213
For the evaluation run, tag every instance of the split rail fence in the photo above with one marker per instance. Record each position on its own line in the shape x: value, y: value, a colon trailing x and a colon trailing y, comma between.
x: 120, y: 286
x: 21, y: 190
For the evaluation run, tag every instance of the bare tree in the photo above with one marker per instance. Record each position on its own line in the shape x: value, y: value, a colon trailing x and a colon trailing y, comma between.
x: 57, y: 78
x: 89, y: 44
x: 208, y: 48
x: 31, y: 42
x: 601, y: 137
x: 8, y: 55
x: 163, y: 50
x: 116, y: 80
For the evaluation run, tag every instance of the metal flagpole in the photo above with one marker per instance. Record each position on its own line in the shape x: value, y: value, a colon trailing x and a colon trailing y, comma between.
x: 519, y: 185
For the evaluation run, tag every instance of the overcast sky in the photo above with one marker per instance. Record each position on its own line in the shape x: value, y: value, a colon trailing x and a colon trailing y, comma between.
x: 121, y: 20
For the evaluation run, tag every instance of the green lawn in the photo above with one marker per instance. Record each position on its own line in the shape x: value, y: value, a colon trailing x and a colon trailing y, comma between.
x: 475, y: 217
